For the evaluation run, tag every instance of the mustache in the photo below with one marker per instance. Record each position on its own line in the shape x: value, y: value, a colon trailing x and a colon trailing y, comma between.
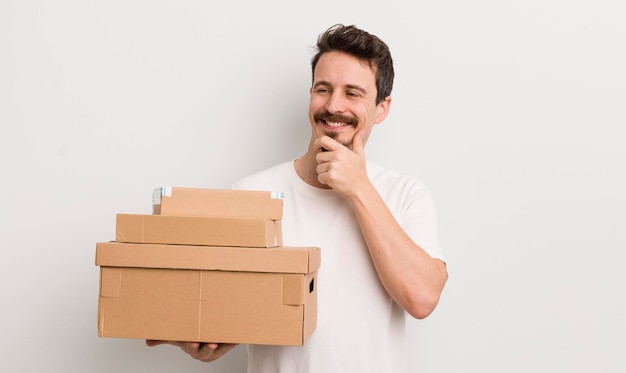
x: 328, y: 117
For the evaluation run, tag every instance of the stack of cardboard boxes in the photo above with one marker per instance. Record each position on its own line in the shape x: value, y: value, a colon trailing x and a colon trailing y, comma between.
x: 208, y: 266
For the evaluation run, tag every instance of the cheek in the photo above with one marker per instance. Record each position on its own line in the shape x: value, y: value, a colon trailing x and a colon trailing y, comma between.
x: 312, y: 110
x: 365, y: 112
x: 315, y: 104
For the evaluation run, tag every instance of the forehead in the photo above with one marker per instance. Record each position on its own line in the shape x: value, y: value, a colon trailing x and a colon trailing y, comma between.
x: 340, y: 69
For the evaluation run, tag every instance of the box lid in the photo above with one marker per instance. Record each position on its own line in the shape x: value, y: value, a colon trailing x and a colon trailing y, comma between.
x: 277, y: 260
x: 180, y: 201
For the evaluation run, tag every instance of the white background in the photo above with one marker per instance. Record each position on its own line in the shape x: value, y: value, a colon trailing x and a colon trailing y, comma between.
x: 511, y: 111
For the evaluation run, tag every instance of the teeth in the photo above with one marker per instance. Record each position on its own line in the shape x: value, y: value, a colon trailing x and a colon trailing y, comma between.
x: 335, y: 124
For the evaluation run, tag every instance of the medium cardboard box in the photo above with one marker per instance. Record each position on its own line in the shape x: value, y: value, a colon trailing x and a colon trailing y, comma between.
x: 222, y: 203
x: 207, y: 294
x: 193, y: 230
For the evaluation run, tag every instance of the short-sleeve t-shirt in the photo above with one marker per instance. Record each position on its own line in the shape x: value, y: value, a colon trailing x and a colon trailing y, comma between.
x: 360, y: 328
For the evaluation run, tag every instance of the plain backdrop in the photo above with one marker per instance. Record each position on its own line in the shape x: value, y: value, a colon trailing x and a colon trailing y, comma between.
x: 512, y: 112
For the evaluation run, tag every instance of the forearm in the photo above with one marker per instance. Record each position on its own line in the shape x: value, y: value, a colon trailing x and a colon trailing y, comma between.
x: 409, y: 274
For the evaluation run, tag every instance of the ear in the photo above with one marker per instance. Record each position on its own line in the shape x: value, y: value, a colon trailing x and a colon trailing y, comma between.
x: 382, y: 109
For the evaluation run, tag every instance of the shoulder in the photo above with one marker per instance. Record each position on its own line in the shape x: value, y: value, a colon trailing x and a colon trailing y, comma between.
x: 405, y: 195
x: 391, y: 181
x: 267, y: 179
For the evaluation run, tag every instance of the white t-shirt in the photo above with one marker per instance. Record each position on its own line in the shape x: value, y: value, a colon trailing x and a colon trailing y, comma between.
x: 359, y: 326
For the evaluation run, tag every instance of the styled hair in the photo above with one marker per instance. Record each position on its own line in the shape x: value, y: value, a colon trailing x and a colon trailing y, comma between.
x: 362, y: 45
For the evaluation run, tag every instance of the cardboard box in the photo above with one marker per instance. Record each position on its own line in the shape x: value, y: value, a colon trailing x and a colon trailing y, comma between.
x: 207, y: 294
x: 193, y: 230
x: 222, y: 203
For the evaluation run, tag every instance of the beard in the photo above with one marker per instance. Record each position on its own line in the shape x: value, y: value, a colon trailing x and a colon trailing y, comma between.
x: 327, y: 117
x: 335, y: 136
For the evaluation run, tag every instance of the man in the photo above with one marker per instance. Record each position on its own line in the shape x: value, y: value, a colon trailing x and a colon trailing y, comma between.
x: 377, y: 229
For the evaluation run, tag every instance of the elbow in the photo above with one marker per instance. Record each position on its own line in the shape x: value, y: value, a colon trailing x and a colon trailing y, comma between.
x: 422, y: 309
x: 422, y: 303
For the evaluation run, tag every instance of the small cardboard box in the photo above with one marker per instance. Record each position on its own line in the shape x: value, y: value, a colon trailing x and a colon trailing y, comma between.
x: 193, y: 230
x: 222, y: 203
x: 207, y: 294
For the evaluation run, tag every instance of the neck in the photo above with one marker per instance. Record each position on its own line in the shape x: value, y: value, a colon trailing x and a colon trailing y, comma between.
x: 305, y: 168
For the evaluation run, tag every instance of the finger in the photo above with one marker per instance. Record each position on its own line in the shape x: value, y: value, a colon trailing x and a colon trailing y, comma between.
x: 323, y: 157
x: 327, y: 143
x: 201, y: 351
x: 320, y: 144
x: 209, y: 346
x: 357, y: 142
x: 322, y: 167
x: 212, y: 351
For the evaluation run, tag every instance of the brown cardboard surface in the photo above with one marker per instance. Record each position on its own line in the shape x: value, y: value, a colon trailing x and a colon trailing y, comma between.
x: 191, y: 230
x: 252, y: 259
x: 179, y: 201
x: 276, y: 304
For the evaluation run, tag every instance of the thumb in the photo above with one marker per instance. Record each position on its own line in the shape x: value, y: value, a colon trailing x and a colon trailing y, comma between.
x: 357, y: 142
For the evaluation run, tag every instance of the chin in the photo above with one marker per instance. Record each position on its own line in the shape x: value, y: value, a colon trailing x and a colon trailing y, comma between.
x: 337, y: 137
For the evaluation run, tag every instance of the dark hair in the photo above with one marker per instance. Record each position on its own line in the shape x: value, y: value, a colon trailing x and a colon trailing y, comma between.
x: 362, y: 45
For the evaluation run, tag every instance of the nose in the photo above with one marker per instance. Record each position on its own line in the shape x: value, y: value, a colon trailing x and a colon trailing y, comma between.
x: 335, y: 103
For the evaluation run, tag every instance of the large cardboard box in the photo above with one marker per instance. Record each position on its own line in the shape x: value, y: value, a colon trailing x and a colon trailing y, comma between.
x: 193, y: 230
x: 207, y: 294
x: 223, y: 203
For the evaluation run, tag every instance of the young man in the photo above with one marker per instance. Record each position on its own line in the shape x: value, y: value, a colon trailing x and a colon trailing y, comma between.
x: 377, y: 229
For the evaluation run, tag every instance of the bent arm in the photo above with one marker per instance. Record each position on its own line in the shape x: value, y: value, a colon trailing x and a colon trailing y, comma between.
x: 410, y: 275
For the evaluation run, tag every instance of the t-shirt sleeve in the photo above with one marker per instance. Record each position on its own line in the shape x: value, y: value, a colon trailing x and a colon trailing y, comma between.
x: 419, y: 219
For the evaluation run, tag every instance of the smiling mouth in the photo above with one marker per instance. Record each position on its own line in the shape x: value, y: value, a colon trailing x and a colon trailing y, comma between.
x: 335, y: 121
x: 335, y: 124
